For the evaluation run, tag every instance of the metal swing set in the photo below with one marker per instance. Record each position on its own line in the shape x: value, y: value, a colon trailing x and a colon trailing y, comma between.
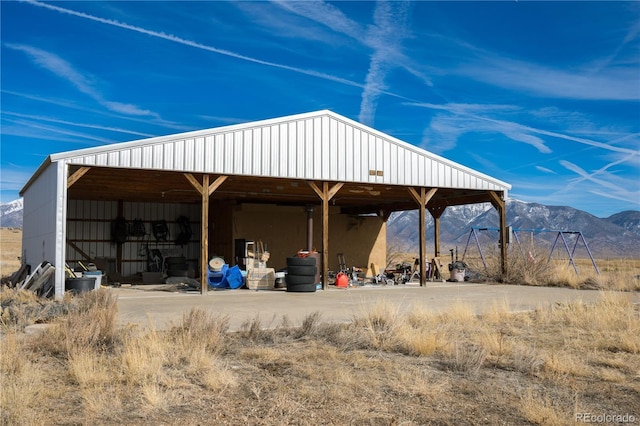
x: 560, y: 236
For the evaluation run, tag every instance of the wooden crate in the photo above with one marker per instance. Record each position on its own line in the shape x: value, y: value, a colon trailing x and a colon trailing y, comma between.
x: 261, y: 278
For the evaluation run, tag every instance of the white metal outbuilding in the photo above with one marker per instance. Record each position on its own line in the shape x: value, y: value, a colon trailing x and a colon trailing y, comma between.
x: 316, y: 146
x: 290, y: 159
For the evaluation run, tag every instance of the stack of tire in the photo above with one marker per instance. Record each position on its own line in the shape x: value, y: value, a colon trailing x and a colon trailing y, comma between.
x: 301, y: 274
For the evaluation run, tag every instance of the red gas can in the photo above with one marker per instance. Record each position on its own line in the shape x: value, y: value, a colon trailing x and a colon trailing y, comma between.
x: 342, y: 280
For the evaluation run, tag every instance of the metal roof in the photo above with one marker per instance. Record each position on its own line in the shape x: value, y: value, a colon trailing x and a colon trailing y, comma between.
x: 319, y: 145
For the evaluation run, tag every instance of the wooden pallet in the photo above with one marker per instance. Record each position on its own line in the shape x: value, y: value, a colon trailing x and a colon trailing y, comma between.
x: 438, y: 270
x: 37, y: 281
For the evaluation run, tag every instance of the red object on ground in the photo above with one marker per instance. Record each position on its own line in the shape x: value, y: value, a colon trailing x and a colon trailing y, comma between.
x: 342, y: 280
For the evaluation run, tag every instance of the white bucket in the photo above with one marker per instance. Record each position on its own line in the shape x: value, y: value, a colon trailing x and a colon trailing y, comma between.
x: 457, y: 275
x: 95, y: 274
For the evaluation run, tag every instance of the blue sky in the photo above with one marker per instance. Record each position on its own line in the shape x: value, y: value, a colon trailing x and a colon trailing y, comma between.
x: 542, y: 95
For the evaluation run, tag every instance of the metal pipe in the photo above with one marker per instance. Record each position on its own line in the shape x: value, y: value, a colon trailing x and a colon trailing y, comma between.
x: 310, y: 228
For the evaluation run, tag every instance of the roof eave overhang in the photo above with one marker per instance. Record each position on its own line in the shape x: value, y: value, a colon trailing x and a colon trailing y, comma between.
x: 46, y: 163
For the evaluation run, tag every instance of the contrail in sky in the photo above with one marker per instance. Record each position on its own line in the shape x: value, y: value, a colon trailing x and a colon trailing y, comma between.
x: 65, y: 70
x: 89, y: 126
x: 459, y: 110
x: 197, y: 45
x: 385, y: 36
x: 176, y: 39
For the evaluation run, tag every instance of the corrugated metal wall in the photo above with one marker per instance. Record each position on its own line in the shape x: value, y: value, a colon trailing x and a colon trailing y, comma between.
x: 39, y: 219
x: 321, y: 147
x: 89, y: 229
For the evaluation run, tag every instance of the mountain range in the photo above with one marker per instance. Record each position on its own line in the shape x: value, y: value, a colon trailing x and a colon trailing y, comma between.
x: 11, y: 214
x: 535, y: 226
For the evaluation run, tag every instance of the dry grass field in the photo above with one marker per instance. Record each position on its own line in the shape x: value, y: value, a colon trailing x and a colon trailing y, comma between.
x: 10, y: 249
x: 552, y: 366
x: 545, y: 367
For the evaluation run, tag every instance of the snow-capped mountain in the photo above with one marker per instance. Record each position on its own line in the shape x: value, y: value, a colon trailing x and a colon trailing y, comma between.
x: 11, y: 214
x: 617, y: 235
x: 629, y: 220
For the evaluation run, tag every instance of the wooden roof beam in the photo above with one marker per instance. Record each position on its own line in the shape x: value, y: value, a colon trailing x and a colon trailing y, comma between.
x: 75, y: 176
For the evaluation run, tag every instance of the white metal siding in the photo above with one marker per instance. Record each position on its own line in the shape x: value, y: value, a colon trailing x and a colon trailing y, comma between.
x: 305, y: 133
x: 324, y: 157
x: 315, y: 149
x: 317, y: 146
x: 355, y: 161
x: 335, y: 149
x: 43, y: 221
x: 39, y: 219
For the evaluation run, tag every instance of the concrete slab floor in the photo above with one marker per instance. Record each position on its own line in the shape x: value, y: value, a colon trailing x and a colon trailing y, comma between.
x: 144, y: 305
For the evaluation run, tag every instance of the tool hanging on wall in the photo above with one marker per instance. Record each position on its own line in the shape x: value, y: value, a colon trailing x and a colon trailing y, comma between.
x: 119, y: 230
x: 138, y: 229
x: 184, y: 236
x: 160, y: 230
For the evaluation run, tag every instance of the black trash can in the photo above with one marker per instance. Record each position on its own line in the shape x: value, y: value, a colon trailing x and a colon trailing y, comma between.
x: 79, y: 285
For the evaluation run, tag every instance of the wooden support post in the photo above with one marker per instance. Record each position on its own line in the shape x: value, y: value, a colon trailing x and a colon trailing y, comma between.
x: 436, y: 212
x: 325, y: 234
x: 436, y: 237
x: 205, y: 191
x: 204, y: 240
x: 422, y: 219
x: 325, y: 195
x: 422, y: 199
x: 499, y: 204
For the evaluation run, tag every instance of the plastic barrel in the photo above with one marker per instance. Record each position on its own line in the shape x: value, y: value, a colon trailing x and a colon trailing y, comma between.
x: 80, y: 285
